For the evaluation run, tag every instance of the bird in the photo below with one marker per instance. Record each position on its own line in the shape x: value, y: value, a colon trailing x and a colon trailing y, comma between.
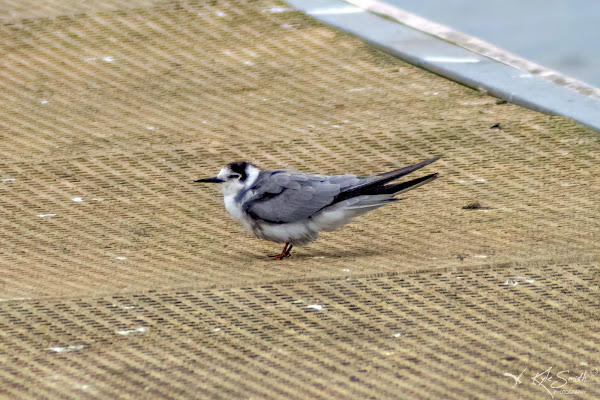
x: 292, y: 207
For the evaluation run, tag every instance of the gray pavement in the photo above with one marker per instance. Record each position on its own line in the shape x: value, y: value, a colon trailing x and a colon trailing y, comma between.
x: 560, y: 34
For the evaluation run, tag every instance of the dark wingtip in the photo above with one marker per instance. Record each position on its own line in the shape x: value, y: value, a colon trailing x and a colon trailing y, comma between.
x: 378, y: 185
x: 397, y: 188
x: 393, y: 175
x: 430, y: 160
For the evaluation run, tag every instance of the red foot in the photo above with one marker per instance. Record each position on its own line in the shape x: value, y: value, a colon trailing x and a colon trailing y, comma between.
x: 280, y: 256
x: 285, y: 253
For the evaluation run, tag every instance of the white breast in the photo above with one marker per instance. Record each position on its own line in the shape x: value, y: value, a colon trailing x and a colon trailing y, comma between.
x: 235, y: 210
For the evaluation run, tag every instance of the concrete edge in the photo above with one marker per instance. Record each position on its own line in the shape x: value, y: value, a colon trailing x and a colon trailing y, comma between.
x: 427, y: 50
x: 476, y: 45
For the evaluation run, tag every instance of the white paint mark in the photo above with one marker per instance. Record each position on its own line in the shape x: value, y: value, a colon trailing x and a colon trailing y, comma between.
x: 336, y: 126
x: 150, y: 128
x: 318, y: 257
x: 120, y: 258
x: 524, y: 279
x: 286, y: 26
x: 451, y: 60
x: 435, y: 94
x: 16, y: 299
x: 335, y: 11
x: 108, y: 59
x: 217, y: 330
x: 203, y: 122
x: 480, y: 256
x: 325, y: 122
x: 227, y: 52
x: 8, y: 179
x: 360, y: 89
x: 248, y: 63
x: 518, y: 280
x: 396, y: 335
x: 279, y: 9
x: 97, y: 199
x: 77, y: 199
x: 469, y: 181
x: 317, y: 307
x: 124, y: 307
x: 221, y: 14
x: 67, y: 349
x: 91, y: 59
x: 141, y: 329
x: 346, y: 270
x: 44, y: 101
x: 84, y: 388
x: 46, y: 215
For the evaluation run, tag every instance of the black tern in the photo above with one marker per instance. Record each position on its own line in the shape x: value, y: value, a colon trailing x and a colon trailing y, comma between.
x: 293, y: 207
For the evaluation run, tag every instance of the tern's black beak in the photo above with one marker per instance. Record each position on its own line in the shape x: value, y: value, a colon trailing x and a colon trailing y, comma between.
x: 210, y: 180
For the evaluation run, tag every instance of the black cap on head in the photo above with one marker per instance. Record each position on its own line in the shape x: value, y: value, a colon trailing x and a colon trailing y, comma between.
x: 239, y: 167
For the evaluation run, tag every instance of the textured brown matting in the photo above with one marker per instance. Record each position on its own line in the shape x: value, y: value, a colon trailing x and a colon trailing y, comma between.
x: 121, y: 278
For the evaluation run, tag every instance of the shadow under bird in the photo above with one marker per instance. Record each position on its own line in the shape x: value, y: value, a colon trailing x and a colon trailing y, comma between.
x: 292, y: 207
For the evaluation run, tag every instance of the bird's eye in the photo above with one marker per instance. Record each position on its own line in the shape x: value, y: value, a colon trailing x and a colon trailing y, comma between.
x: 234, y: 176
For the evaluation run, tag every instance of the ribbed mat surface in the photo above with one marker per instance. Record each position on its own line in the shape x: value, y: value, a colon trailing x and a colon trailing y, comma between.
x: 121, y: 278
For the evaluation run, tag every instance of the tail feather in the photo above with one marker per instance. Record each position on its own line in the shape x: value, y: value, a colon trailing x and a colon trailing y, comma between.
x: 379, y: 181
x: 397, y: 173
x: 385, y: 194
x: 371, y: 202
x: 397, y: 188
x: 369, y: 196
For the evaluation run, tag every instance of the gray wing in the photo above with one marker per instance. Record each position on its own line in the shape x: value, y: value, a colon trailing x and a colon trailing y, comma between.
x: 282, y: 196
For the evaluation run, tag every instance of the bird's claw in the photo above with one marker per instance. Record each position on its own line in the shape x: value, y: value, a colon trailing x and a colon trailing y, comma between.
x: 280, y: 256
x: 285, y: 253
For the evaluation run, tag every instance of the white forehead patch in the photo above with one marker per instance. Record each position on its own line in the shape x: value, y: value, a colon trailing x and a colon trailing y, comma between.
x: 224, y: 173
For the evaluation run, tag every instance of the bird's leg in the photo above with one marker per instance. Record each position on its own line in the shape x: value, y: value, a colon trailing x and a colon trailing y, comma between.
x: 285, y: 253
